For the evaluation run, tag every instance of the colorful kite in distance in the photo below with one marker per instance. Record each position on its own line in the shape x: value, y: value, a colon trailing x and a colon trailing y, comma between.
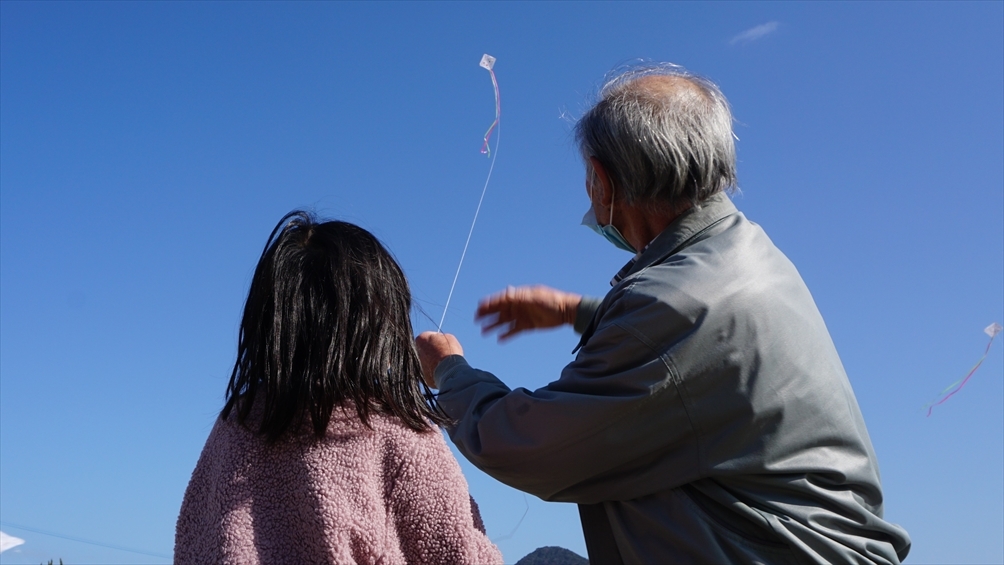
x: 992, y: 330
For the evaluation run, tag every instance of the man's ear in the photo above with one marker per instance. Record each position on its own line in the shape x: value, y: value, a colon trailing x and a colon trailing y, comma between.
x: 602, y: 183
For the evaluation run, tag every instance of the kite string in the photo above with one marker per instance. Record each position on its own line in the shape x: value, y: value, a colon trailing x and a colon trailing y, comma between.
x: 498, y: 136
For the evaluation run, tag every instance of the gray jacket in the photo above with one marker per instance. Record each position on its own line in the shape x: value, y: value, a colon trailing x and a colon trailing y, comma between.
x: 706, y: 418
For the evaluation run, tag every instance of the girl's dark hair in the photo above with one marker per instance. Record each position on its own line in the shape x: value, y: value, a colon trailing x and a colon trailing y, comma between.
x: 327, y: 321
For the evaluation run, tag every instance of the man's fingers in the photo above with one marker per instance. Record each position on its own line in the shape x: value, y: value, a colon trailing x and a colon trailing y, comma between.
x: 487, y: 309
x: 515, y: 328
x: 510, y: 333
x: 494, y: 323
x: 494, y: 303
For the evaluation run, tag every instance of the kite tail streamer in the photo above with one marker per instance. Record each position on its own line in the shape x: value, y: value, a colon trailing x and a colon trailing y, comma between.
x: 485, y: 148
x: 992, y: 330
x: 487, y: 62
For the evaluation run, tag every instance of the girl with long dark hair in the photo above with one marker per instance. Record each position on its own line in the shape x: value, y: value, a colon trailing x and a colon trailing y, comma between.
x: 327, y: 448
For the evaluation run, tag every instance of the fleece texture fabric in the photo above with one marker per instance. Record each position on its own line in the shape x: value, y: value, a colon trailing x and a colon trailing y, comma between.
x: 380, y: 495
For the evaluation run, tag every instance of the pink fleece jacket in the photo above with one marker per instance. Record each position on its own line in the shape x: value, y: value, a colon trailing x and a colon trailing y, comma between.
x: 386, y: 495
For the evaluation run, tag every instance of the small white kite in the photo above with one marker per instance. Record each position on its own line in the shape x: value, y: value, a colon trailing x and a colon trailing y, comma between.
x: 488, y: 63
x: 8, y: 542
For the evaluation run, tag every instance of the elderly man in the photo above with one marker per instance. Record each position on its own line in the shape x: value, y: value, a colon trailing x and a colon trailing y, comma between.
x: 706, y: 417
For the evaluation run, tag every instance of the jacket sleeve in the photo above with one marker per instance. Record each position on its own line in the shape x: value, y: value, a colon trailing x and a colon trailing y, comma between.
x: 612, y: 427
x: 437, y: 520
x: 585, y: 312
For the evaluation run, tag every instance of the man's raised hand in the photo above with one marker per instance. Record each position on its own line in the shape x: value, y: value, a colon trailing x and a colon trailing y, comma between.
x: 517, y: 309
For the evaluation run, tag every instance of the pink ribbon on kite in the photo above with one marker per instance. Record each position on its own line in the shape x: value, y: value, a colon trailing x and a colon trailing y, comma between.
x: 992, y: 330
x: 488, y: 62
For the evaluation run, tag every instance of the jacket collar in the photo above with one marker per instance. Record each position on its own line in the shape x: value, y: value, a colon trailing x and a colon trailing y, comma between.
x: 681, y: 232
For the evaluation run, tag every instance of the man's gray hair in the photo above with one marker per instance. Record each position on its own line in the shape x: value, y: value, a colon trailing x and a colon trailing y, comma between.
x: 663, y: 135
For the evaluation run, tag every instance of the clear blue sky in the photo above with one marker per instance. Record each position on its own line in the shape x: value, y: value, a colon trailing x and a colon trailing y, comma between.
x: 146, y: 150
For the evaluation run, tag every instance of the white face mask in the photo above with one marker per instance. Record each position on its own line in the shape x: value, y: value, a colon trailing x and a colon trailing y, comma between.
x: 609, y: 232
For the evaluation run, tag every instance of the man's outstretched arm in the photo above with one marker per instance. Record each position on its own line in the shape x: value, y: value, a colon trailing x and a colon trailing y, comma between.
x: 611, y: 427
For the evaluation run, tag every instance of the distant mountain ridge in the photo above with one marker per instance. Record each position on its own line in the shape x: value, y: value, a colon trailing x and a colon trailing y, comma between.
x: 550, y: 555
